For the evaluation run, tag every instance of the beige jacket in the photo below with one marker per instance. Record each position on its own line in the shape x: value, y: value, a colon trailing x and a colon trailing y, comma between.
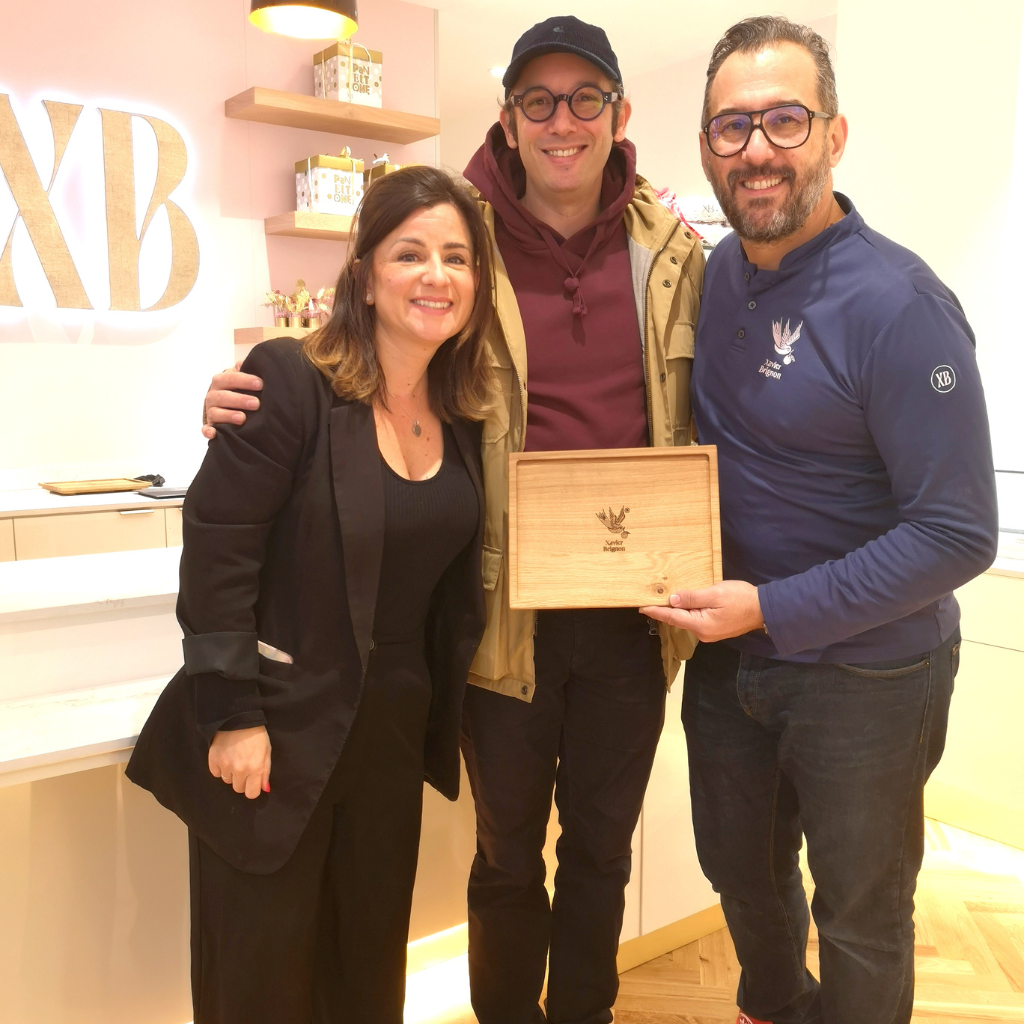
x: 668, y: 270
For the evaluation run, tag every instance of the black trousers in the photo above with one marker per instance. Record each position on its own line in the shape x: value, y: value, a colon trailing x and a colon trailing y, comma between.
x: 324, y: 938
x: 590, y: 734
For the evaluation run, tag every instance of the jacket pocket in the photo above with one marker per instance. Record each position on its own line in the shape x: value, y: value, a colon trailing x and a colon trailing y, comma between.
x: 678, y: 363
x: 496, y: 424
x: 491, y: 563
x: 279, y: 670
x: 680, y: 341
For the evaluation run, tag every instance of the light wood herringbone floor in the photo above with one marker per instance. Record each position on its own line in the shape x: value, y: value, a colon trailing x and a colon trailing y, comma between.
x: 970, y: 947
x: 970, y: 952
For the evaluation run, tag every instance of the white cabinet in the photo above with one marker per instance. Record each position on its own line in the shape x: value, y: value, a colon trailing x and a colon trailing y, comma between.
x: 979, y: 783
x: 674, y: 888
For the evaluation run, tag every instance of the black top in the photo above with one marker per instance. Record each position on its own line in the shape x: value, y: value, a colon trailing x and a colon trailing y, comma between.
x: 284, y: 537
x: 426, y: 524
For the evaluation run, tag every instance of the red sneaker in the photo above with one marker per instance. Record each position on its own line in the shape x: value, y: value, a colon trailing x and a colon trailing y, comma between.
x: 744, y: 1019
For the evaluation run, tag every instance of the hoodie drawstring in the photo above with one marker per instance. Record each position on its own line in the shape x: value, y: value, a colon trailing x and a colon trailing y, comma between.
x: 497, y: 171
x: 572, y: 282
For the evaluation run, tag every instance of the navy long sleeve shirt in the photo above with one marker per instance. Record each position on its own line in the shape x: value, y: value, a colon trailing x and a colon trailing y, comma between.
x: 855, y: 464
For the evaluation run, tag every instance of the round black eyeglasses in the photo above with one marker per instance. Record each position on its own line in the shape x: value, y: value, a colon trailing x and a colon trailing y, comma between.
x: 786, y: 127
x: 586, y: 103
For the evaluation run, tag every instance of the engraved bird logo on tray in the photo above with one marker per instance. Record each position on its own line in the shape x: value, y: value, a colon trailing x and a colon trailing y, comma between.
x: 614, y: 522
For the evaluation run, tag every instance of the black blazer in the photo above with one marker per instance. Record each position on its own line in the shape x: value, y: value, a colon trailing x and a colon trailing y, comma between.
x: 283, y: 532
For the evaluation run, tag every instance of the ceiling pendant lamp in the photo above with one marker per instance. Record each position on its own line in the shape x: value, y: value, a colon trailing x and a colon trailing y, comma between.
x: 306, y: 19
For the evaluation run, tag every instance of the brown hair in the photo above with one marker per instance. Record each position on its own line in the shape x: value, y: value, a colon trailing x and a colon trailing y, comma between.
x: 344, y: 349
x: 753, y: 34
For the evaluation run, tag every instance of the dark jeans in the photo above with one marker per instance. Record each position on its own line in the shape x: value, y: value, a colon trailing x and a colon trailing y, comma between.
x: 323, y: 939
x: 841, y: 753
x: 590, y: 733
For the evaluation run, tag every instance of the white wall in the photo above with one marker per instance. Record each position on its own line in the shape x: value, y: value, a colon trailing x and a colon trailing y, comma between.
x: 667, y: 106
x: 957, y: 204
x: 936, y: 161
x: 99, y: 394
x: 662, y: 46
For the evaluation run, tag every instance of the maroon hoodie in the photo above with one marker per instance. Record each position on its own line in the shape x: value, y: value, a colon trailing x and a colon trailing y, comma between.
x: 583, y: 349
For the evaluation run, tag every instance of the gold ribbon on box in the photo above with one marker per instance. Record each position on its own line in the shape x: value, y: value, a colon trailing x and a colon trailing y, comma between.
x: 343, y: 162
x: 379, y: 168
x: 344, y: 49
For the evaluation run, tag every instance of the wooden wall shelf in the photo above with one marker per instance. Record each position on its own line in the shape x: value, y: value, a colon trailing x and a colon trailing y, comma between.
x: 247, y: 338
x: 295, y: 110
x: 330, y: 226
x: 254, y: 335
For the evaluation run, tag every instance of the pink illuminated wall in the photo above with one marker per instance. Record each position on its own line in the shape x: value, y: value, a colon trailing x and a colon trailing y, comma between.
x: 116, y: 393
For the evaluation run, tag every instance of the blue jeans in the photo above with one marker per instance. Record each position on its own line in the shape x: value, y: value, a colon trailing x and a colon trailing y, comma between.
x: 841, y: 754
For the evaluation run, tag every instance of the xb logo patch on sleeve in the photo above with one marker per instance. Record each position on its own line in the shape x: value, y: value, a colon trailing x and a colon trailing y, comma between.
x: 943, y: 379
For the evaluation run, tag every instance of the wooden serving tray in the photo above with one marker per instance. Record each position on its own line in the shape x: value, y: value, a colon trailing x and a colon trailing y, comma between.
x: 68, y: 487
x: 616, y: 528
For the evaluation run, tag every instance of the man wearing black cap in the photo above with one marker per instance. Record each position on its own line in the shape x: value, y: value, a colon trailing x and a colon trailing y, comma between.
x: 597, y: 293
x: 597, y: 290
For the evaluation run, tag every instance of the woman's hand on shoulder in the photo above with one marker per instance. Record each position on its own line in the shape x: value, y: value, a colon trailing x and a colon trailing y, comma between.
x: 241, y: 758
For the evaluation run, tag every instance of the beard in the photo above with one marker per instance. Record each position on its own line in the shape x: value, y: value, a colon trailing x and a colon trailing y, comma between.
x: 760, y: 220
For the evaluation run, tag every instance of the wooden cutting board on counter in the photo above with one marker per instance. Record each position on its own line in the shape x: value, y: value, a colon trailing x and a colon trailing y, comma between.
x: 71, y: 487
x: 614, y: 528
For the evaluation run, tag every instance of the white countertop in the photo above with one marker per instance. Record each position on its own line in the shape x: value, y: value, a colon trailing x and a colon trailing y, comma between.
x: 1010, y: 492
x: 1007, y: 567
x: 50, y: 733
x: 55, y: 734
x: 43, y: 587
x: 1010, y: 560
x: 39, y: 502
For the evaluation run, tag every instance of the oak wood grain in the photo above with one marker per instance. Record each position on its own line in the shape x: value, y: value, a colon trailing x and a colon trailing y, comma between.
x: 300, y: 224
x: 615, y: 528
x: 295, y: 110
x: 254, y: 335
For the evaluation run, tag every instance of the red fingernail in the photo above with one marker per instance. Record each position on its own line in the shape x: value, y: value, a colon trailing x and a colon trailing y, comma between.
x: 266, y: 787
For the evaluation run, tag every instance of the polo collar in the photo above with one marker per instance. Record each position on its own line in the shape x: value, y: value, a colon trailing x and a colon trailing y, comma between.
x: 795, y: 261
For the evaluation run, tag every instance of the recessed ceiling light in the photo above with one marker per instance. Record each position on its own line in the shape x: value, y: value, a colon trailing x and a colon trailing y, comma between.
x: 498, y: 72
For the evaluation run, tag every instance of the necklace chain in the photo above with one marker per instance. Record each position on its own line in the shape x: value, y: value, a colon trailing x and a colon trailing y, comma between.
x: 416, y: 428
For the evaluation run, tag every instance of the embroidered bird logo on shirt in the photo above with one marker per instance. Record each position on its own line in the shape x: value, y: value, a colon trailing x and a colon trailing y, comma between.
x: 614, y: 522
x: 785, y: 340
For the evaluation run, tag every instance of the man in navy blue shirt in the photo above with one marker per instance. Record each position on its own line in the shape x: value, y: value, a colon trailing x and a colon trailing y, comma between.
x: 837, y: 376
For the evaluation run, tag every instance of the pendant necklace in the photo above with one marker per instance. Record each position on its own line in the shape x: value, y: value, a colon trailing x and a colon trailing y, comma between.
x: 416, y: 428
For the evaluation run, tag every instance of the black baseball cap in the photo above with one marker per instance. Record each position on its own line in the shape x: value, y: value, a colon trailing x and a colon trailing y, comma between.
x: 564, y: 34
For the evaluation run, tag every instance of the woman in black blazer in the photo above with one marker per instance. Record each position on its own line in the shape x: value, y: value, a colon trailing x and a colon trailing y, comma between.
x: 331, y: 601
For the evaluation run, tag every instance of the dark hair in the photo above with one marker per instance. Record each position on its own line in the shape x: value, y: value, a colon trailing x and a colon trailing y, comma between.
x: 344, y: 349
x: 767, y: 31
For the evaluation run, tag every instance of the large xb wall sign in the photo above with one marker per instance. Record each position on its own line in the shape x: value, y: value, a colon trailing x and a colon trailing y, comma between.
x: 93, y: 221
